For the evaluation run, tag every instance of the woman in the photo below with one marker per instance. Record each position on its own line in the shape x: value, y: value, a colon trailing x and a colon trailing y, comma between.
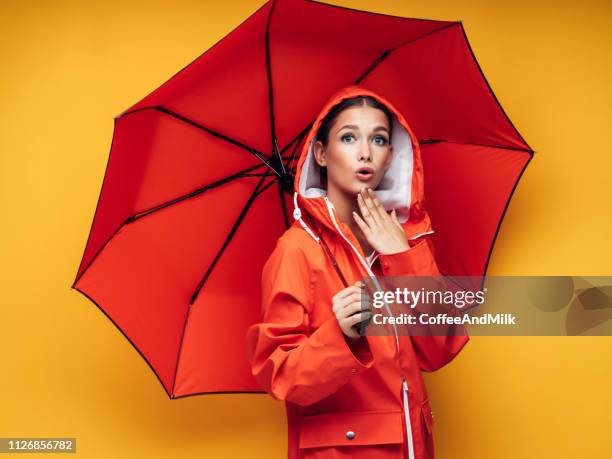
x: 348, y: 395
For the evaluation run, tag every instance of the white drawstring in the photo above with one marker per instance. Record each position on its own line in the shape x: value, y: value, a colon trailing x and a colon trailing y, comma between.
x: 421, y: 234
x: 297, y: 215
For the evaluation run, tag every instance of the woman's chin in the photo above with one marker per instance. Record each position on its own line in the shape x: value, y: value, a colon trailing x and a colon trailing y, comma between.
x: 360, y: 184
x: 354, y: 191
x: 354, y: 187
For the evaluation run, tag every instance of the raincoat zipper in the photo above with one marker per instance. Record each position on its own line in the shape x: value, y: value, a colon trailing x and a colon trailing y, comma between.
x: 405, y: 404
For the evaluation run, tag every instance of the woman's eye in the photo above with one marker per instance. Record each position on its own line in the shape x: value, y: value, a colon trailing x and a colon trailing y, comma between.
x: 347, y: 136
x: 380, y: 140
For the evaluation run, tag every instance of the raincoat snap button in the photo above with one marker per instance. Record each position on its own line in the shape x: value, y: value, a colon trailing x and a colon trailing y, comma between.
x: 350, y: 435
x: 354, y: 370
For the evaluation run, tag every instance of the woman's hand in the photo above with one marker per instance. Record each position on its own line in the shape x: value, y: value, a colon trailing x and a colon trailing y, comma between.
x: 348, y: 309
x: 383, y: 231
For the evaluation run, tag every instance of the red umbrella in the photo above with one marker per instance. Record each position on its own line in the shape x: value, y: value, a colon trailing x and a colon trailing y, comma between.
x: 193, y: 198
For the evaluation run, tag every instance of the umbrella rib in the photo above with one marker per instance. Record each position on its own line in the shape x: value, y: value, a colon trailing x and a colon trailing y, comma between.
x: 281, y: 194
x: 210, y: 186
x: 243, y: 173
x: 271, y: 91
x: 203, y: 280
x: 228, y: 238
x: 384, y: 55
x: 371, y: 67
x: 258, y: 154
x: 428, y: 141
x: 159, y: 108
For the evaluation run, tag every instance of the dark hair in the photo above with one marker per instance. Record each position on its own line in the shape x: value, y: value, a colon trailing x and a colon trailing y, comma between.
x: 330, y: 118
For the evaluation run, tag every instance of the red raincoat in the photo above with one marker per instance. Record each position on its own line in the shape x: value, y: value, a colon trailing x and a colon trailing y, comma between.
x: 346, y: 399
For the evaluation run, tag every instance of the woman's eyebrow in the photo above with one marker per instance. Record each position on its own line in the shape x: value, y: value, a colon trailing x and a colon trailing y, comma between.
x: 348, y: 126
x: 352, y: 126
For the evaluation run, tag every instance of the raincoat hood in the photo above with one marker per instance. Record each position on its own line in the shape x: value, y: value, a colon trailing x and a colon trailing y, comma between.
x: 401, y: 187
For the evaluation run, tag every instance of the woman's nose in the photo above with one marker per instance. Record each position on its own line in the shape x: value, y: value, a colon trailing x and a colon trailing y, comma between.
x: 364, y: 152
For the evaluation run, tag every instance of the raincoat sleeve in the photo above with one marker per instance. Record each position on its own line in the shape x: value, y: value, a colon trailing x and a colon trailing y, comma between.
x: 288, y: 360
x: 432, y: 352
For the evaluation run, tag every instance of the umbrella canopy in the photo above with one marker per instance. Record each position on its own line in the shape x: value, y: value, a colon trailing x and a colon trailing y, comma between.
x: 199, y: 178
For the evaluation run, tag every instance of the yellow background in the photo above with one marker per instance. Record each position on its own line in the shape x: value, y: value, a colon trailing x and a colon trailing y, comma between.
x: 69, y: 67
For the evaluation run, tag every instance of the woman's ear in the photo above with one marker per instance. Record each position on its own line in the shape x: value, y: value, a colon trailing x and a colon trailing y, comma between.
x: 319, y: 154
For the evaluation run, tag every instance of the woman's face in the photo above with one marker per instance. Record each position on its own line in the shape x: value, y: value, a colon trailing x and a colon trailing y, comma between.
x: 358, y: 139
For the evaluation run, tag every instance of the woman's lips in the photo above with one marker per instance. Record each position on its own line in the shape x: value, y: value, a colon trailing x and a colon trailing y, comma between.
x: 364, y: 175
